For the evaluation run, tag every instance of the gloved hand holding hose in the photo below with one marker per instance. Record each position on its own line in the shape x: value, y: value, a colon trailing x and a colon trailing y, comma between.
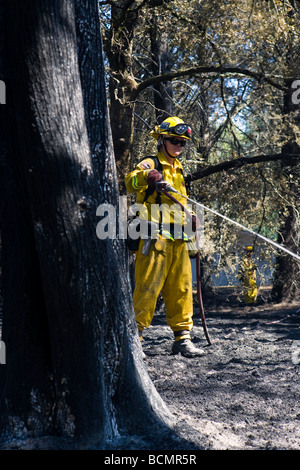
x: 153, y: 177
x: 155, y: 180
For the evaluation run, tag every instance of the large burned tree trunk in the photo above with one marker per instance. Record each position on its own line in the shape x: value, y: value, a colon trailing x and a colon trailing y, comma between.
x: 72, y: 354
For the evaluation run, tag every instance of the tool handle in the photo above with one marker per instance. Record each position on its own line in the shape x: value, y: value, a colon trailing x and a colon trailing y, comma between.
x: 199, y: 293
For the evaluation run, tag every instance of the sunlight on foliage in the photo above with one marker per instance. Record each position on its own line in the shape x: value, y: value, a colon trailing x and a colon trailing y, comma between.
x: 233, y: 114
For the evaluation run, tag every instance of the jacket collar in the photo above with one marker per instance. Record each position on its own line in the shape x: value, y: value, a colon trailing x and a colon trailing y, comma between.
x: 162, y: 158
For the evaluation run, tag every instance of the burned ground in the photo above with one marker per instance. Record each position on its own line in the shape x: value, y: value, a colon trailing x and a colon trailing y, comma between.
x: 244, y: 393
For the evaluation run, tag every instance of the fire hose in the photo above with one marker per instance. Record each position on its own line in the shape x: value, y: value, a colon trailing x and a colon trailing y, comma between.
x: 271, y: 242
x: 166, y: 190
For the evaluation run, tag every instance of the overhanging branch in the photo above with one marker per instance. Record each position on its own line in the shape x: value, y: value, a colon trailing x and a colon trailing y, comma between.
x: 260, y: 77
x: 239, y: 162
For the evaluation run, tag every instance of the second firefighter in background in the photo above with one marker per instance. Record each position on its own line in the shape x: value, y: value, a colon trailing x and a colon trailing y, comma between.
x: 247, y: 275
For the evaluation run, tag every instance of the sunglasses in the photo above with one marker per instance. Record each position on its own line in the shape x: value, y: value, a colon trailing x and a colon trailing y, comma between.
x: 175, y: 141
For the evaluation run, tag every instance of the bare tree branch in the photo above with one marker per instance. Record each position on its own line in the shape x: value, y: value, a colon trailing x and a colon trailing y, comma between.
x: 192, y: 71
x: 239, y: 162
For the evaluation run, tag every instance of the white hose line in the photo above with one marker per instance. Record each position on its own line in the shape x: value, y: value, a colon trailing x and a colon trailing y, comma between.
x: 280, y: 247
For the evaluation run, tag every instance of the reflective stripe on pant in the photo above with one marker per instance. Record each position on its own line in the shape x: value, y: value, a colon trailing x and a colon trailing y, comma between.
x: 167, y: 271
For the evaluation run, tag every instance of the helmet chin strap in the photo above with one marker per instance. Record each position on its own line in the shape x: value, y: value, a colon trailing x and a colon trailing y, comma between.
x: 172, y: 156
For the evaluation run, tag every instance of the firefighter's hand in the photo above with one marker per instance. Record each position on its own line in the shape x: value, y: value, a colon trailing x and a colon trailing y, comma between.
x: 162, y: 186
x: 195, y: 223
x: 153, y: 177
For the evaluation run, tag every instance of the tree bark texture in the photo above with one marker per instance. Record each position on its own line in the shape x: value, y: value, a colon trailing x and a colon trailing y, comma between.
x: 73, y: 367
x: 121, y: 85
x: 161, y: 63
x: 286, y: 285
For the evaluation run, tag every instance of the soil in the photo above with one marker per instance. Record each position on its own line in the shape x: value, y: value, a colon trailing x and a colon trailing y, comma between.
x: 244, y: 393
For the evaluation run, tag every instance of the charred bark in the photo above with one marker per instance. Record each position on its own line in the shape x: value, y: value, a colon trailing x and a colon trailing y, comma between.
x: 118, y: 47
x: 73, y: 368
x: 161, y: 63
x: 286, y: 284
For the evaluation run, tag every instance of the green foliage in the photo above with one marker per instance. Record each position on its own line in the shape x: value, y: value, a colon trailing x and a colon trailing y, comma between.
x: 233, y: 113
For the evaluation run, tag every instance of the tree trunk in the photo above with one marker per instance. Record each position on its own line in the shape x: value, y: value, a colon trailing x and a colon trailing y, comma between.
x: 72, y: 353
x: 286, y: 285
x: 161, y: 63
x: 121, y: 85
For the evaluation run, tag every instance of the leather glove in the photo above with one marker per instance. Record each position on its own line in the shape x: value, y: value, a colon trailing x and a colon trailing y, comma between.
x: 153, y: 177
x: 162, y: 186
x: 195, y: 223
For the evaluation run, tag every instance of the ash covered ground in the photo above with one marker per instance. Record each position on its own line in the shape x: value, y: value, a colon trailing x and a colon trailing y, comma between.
x: 244, y: 393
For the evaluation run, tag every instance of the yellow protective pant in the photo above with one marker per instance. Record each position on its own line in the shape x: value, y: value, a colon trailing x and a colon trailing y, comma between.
x: 250, y: 289
x: 167, y: 271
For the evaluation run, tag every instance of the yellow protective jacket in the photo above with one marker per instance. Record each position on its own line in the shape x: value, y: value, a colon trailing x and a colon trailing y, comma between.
x: 136, y: 182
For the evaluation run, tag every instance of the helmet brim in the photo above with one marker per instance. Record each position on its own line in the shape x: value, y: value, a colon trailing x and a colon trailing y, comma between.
x: 156, y: 135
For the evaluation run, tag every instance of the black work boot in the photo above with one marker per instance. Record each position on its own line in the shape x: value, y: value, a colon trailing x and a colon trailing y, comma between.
x: 186, y: 348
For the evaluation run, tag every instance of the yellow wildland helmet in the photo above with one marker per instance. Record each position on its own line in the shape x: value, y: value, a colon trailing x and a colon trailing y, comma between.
x: 172, y: 126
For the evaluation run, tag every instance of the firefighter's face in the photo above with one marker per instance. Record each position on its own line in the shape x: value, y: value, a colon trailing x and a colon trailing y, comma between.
x: 174, y: 145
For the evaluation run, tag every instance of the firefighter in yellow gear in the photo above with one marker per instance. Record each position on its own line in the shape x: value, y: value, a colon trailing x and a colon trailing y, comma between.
x: 164, y: 267
x: 247, y: 274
